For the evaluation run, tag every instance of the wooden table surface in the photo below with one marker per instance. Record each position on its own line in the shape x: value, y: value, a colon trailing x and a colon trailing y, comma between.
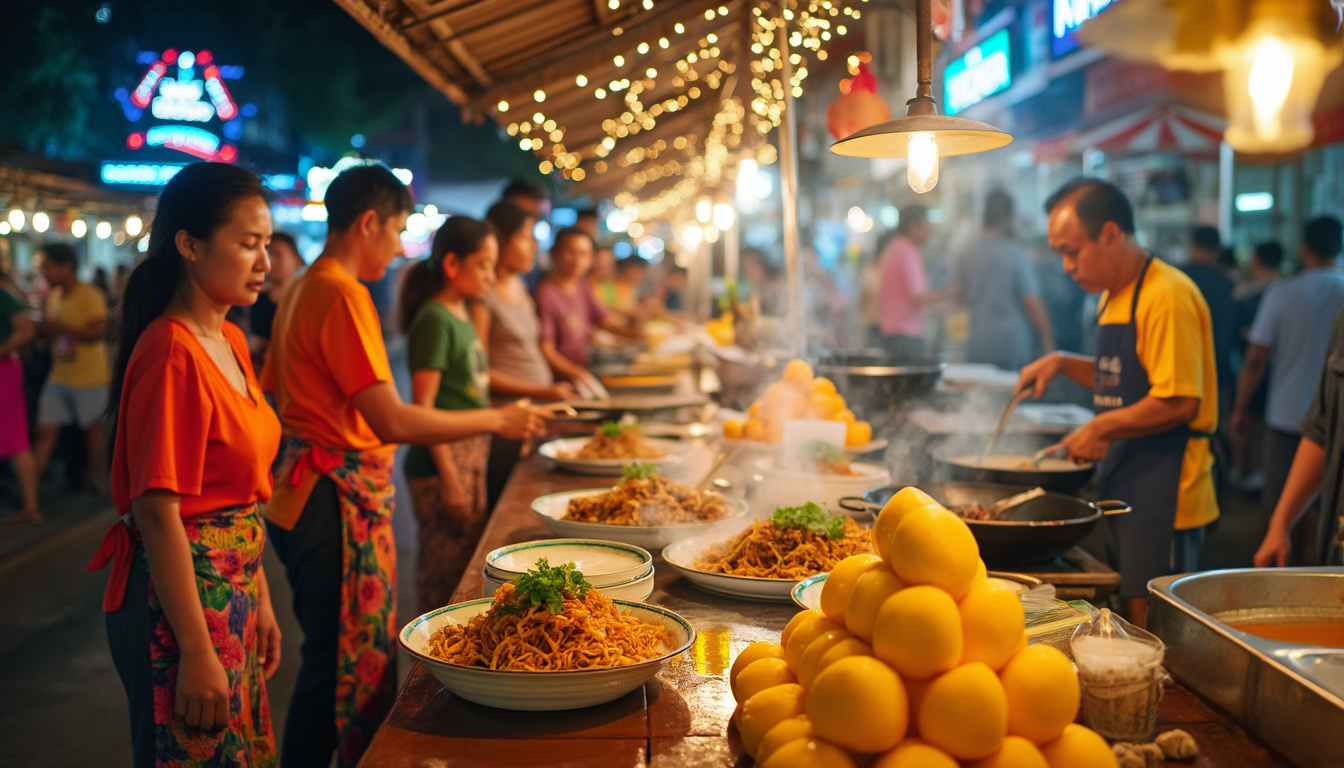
x: 679, y: 718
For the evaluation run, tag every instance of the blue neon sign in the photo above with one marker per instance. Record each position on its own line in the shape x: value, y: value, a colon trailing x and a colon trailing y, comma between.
x: 140, y: 174
x: 983, y: 71
x: 1066, y: 16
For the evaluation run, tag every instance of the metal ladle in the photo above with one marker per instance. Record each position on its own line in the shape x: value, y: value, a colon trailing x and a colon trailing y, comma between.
x: 1003, y: 421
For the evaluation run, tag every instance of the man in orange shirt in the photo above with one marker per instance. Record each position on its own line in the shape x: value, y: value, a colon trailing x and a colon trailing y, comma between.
x: 330, y: 516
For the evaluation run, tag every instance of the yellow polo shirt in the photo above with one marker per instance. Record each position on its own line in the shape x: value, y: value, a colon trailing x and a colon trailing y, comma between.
x: 78, y: 364
x: 1175, y: 340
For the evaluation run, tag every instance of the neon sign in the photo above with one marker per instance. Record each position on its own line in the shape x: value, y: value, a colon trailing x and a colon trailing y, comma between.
x: 185, y: 98
x: 193, y: 141
x: 1068, y: 16
x: 139, y: 174
x: 982, y: 72
x: 319, y: 177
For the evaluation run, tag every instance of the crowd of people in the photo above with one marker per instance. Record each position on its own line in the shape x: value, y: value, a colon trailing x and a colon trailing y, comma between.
x: 224, y: 440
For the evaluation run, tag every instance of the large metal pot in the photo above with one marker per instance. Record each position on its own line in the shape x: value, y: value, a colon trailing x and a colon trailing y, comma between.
x: 1035, y: 531
x: 872, y: 383
x: 962, y: 467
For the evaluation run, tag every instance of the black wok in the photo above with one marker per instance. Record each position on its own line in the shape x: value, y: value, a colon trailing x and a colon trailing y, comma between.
x: 961, y: 467
x: 1035, y: 531
x: 871, y: 382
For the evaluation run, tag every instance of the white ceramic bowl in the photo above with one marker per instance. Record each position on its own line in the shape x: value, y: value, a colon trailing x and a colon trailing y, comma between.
x: 555, y: 449
x: 551, y: 508
x: 539, y: 690
x: 635, y: 590
x: 683, y: 555
x: 602, y: 562
x: 785, y: 488
x: 807, y: 593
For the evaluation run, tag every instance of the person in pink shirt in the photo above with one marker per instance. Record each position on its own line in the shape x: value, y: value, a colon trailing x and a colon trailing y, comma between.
x: 904, y: 292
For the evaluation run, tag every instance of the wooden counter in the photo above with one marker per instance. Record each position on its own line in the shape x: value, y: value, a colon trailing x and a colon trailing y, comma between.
x: 678, y: 719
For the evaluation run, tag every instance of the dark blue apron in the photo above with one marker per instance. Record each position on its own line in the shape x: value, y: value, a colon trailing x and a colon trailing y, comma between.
x: 1143, y: 471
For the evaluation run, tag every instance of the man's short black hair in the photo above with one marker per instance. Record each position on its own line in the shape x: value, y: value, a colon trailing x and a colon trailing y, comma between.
x: 1322, y: 236
x: 60, y: 254
x: 567, y: 233
x: 1206, y: 238
x: 586, y: 213
x: 371, y: 187
x: 1097, y: 202
x: 998, y: 208
x: 1269, y: 254
x: 910, y: 216
x: 524, y: 188
x: 631, y: 262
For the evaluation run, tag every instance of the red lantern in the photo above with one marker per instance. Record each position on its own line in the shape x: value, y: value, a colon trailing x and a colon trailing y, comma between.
x: 857, y: 107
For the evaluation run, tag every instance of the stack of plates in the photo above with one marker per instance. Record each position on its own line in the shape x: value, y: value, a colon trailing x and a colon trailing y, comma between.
x: 619, y: 571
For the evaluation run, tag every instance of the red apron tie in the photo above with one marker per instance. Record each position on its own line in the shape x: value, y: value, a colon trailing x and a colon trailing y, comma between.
x: 316, y: 459
x: 118, y: 545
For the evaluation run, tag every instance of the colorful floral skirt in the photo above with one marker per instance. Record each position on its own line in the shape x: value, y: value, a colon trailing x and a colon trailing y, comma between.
x: 448, y: 534
x: 226, y: 548
x: 366, y: 673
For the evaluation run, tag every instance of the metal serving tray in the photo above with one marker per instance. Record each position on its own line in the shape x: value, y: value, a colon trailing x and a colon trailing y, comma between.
x: 1290, y: 695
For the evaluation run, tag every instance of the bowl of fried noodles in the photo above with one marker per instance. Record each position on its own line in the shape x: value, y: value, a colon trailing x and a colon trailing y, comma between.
x: 612, y: 446
x: 549, y: 641
x: 644, y: 509
x: 768, y: 558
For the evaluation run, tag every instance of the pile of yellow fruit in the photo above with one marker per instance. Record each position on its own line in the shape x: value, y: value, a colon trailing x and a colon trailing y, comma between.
x: 722, y: 330
x: 799, y: 395
x: 915, y: 660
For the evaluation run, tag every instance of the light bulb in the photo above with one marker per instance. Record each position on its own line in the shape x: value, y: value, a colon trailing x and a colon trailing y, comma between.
x: 1268, y: 82
x: 704, y: 210
x: 103, y: 230
x: 17, y: 219
x: 134, y: 225
x: 692, y: 235
x: 922, y: 166
x: 78, y: 228
x: 724, y: 216
x: 40, y: 222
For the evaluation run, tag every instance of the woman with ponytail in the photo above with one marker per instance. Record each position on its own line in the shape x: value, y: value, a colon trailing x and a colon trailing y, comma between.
x: 449, y: 371
x: 189, y: 617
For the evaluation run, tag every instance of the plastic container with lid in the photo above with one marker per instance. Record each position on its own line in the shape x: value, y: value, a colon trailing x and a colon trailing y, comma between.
x: 1120, y: 672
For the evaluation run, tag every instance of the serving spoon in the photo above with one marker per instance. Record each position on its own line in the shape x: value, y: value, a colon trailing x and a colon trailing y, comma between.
x: 1003, y: 421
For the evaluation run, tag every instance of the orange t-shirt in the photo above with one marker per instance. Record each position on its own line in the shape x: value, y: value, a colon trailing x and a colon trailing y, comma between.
x: 184, y: 428
x: 326, y: 347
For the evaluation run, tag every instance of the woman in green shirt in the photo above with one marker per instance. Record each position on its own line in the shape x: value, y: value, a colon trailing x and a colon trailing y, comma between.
x: 448, y: 371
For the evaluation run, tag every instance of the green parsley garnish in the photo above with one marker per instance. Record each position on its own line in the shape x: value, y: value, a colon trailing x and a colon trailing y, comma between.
x: 546, y: 586
x: 613, y: 428
x: 820, y: 451
x: 641, y: 470
x: 812, y: 518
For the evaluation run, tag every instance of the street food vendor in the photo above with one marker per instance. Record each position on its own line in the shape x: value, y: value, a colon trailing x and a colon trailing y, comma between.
x: 1154, y: 387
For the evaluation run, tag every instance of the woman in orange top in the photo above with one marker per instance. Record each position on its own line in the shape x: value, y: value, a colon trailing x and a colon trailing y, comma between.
x: 189, y: 616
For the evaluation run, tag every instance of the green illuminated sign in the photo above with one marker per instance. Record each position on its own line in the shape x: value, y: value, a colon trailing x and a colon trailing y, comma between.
x: 983, y: 71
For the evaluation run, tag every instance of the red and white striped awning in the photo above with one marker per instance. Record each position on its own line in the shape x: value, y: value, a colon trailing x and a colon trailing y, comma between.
x: 1159, y: 128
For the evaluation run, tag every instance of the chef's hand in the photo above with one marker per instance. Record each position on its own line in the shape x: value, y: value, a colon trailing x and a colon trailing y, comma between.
x: 202, y: 690
x: 1037, y: 375
x: 1087, y: 444
x: 1273, y: 551
x: 560, y: 391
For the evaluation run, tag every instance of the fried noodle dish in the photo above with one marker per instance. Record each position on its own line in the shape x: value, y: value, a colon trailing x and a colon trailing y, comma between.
x: 644, y: 498
x: 616, y: 441
x: 550, y: 620
x: 796, y: 542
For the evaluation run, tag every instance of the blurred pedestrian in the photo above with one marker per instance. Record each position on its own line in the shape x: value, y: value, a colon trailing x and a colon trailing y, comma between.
x: 904, y: 290
x: 1263, y: 271
x: 17, y: 330
x: 75, y: 322
x: 286, y: 263
x: 567, y: 309
x: 1216, y: 288
x: 1288, y: 346
x: 188, y: 608
x: 994, y: 278
x: 587, y: 221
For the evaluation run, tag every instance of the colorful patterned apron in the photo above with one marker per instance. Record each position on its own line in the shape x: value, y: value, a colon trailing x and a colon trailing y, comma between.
x: 366, y: 672
x: 226, y: 548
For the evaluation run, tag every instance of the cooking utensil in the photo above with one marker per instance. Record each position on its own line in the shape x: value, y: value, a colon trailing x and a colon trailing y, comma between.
x: 1035, y: 531
x: 968, y: 469
x: 1003, y: 421
x: 1003, y: 505
x: 724, y: 457
x: 1041, y: 454
x: 874, y: 383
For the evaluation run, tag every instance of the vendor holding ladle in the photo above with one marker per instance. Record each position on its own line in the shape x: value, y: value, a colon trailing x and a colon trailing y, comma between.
x: 1153, y: 383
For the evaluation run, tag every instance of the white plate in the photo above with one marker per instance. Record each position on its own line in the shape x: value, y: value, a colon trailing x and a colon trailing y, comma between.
x: 551, y: 508
x: 605, y: 467
x: 807, y: 593
x: 602, y: 562
x: 569, y: 689
x: 636, y: 590
x: 683, y: 554
x: 786, y: 488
